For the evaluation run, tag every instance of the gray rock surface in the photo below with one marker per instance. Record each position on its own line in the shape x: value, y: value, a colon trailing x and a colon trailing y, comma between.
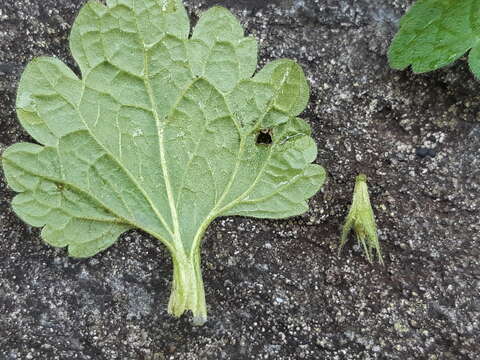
x: 277, y: 289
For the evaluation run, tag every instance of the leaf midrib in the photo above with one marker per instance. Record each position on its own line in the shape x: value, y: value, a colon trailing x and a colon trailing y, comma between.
x: 161, y: 148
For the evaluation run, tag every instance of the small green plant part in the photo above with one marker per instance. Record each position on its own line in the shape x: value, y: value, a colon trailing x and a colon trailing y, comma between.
x: 163, y: 132
x: 435, y: 33
x: 362, y: 220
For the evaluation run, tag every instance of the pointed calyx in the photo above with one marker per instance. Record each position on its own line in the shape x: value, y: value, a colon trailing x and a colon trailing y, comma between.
x: 361, y: 219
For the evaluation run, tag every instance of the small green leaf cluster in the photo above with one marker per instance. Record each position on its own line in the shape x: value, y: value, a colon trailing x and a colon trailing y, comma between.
x: 435, y: 33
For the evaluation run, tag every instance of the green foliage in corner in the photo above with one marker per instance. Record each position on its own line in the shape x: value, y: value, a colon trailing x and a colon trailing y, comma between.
x: 162, y: 132
x: 435, y: 33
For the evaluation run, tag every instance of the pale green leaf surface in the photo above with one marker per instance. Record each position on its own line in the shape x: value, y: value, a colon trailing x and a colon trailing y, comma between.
x: 160, y: 134
x: 435, y: 33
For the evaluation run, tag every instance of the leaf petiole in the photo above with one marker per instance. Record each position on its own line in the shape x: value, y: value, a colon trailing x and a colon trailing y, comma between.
x: 187, y: 287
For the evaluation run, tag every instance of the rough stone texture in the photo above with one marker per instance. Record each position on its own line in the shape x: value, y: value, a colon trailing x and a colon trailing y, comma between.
x: 277, y: 289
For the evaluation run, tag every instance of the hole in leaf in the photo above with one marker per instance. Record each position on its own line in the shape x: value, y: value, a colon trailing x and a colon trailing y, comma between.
x: 264, y: 137
x: 193, y: 22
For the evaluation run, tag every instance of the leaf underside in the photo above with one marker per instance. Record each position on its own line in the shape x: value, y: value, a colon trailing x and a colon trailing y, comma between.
x: 435, y: 33
x: 160, y: 132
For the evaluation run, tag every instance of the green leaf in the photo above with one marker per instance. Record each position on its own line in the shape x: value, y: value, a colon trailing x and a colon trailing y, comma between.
x: 160, y: 133
x: 435, y: 33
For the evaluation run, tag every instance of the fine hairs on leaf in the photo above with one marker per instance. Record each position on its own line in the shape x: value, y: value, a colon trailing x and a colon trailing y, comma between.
x: 160, y: 133
x: 435, y: 33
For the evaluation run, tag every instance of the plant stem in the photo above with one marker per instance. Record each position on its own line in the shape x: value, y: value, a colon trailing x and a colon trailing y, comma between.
x: 187, y: 287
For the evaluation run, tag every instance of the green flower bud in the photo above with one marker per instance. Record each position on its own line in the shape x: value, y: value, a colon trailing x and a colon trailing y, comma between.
x: 362, y: 220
